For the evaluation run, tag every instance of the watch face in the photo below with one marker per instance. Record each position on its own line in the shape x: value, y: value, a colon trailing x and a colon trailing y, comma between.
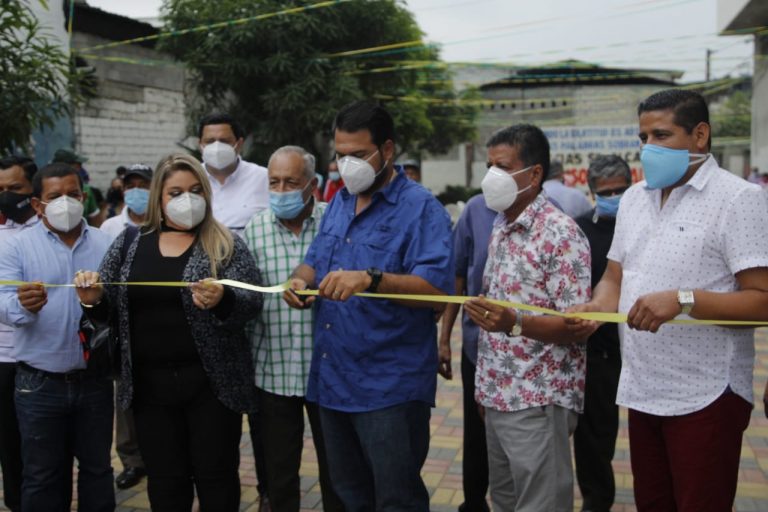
x: 517, y: 330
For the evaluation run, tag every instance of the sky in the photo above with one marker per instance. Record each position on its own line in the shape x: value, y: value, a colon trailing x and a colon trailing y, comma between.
x: 654, y: 34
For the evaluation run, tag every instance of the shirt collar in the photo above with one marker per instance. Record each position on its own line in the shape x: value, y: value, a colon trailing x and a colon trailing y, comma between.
x: 83, y: 232
x: 213, y: 179
x: 702, y: 175
x: 526, y: 218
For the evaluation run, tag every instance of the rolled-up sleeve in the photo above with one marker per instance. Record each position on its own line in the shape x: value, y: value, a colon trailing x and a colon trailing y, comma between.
x: 429, y: 254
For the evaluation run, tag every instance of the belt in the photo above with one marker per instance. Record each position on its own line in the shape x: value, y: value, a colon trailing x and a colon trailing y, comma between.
x: 71, y: 376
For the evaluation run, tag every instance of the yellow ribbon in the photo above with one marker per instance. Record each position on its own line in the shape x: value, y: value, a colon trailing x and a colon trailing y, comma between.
x: 616, y: 318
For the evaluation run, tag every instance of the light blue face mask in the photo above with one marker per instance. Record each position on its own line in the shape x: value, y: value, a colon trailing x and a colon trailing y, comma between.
x: 663, y: 167
x: 607, y: 206
x: 287, y: 205
x: 137, y: 199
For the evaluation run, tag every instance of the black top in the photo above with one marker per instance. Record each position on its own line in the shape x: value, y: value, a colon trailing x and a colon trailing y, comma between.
x: 159, y: 329
x: 600, y: 235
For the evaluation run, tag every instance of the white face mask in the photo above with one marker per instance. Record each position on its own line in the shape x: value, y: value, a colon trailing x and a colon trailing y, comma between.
x: 500, y: 188
x: 64, y: 213
x: 219, y: 155
x: 186, y: 210
x: 358, y: 174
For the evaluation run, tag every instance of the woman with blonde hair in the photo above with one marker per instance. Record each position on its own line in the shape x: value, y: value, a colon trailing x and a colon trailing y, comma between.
x: 186, y: 366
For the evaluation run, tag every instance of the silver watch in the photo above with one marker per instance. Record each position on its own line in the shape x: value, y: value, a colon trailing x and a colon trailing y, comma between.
x: 686, y: 301
x: 517, y: 329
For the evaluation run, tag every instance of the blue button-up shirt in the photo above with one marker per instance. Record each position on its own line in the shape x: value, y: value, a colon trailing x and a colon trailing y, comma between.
x: 470, y: 248
x: 373, y: 353
x: 48, y: 339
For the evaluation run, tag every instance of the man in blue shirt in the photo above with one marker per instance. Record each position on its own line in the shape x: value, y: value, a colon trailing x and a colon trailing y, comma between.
x: 63, y: 408
x: 373, y: 364
x: 470, y: 249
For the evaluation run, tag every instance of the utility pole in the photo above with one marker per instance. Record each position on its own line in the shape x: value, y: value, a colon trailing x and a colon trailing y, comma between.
x: 709, y: 58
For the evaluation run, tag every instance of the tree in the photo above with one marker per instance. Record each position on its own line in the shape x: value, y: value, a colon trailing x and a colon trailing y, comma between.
x: 734, y: 118
x: 35, y: 76
x: 280, y: 77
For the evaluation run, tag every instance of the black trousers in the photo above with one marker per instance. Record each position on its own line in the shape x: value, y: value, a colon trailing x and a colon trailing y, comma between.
x: 282, y: 435
x: 10, y: 439
x: 188, y: 439
x: 475, y: 464
x: 594, y: 440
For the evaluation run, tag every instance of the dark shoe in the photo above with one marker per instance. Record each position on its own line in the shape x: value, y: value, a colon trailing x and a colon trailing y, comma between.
x: 129, y: 477
x: 264, y: 505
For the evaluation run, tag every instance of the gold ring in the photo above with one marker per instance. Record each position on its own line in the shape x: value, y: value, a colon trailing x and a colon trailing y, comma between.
x: 486, y: 314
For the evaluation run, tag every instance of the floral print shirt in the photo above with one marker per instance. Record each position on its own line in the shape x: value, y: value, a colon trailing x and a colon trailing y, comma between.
x: 541, y: 259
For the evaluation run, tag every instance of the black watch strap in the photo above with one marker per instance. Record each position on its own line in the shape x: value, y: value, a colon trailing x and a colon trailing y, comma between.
x: 376, y: 276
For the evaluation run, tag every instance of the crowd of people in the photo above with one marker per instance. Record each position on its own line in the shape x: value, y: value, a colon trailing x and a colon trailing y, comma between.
x: 179, y: 364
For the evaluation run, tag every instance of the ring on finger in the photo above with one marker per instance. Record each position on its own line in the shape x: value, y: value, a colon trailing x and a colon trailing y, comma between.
x: 486, y: 314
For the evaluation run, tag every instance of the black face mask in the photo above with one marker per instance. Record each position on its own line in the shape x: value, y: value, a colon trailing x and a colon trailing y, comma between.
x: 114, y: 196
x: 15, y: 206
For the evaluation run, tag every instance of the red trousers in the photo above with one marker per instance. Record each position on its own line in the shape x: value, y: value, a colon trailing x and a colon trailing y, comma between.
x: 688, y: 463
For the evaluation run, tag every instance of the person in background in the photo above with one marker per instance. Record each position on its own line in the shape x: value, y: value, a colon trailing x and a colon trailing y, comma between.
x: 570, y: 200
x: 186, y: 363
x: 373, y: 363
x: 530, y: 367
x: 412, y: 170
x: 135, y: 183
x: 692, y: 240
x: 470, y: 249
x: 91, y: 210
x: 64, y: 407
x: 334, y: 183
x: 135, y: 187
x: 240, y: 188
x: 594, y: 440
x: 16, y: 174
x: 115, y: 200
x: 282, y: 336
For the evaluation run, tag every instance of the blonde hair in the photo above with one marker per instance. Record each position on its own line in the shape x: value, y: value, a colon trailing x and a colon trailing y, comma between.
x: 215, y: 239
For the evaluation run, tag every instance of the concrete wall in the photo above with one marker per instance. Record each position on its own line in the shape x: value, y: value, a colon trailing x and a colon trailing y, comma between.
x: 138, y: 114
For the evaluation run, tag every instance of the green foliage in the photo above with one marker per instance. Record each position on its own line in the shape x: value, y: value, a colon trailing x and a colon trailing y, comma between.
x: 35, y: 76
x: 278, y: 77
x: 734, y: 118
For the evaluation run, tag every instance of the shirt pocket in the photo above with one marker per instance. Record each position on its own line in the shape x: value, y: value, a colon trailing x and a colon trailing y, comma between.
x: 679, y: 251
x: 381, y: 249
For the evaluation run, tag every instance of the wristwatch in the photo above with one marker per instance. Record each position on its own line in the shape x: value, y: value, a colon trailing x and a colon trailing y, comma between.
x: 517, y: 329
x: 686, y: 301
x: 376, y: 276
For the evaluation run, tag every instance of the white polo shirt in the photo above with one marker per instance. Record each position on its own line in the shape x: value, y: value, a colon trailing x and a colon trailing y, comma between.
x: 113, y: 226
x: 711, y: 228
x: 244, y: 193
x: 8, y: 230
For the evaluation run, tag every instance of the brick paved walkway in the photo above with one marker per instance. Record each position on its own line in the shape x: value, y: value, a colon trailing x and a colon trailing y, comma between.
x: 442, y: 471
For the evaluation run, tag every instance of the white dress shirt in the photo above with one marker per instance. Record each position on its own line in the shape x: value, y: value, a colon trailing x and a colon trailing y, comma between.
x: 8, y: 230
x: 243, y: 193
x: 709, y: 229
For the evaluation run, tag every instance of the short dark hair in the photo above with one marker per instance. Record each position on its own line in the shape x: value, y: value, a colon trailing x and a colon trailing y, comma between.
x: 366, y: 115
x: 530, y: 142
x: 57, y: 170
x: 26, y: 163
x: 689, y: 107
x: 607, y: 166
x: 220, y: 118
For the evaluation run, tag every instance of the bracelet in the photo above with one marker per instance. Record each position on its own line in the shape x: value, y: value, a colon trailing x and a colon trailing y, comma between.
x: 89, y: 306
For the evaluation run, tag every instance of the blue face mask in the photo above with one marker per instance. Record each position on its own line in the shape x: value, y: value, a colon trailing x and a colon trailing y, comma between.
x: 607, y: 206
x: 287, y: 205
x: 663, y: 167
x: 334, y: 176
x: 137, y: 200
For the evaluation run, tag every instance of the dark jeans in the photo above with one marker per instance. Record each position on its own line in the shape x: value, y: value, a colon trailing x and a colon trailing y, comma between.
x: 474, y: 467
x: 59, y: 420
x: 10, y: 439
x: 594, y: 440
x: 375, y: 457
x: 188, y: 439
x: 257, y: 444
x: 282, y: 434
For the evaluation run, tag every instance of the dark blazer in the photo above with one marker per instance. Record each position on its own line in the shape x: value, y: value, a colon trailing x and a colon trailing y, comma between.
x: 224, y: 349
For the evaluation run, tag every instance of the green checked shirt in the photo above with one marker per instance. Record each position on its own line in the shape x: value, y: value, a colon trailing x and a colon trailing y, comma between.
x: 282, y: 336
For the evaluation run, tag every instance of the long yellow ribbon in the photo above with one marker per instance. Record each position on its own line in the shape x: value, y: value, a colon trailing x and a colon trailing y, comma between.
x: 616, y: 318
